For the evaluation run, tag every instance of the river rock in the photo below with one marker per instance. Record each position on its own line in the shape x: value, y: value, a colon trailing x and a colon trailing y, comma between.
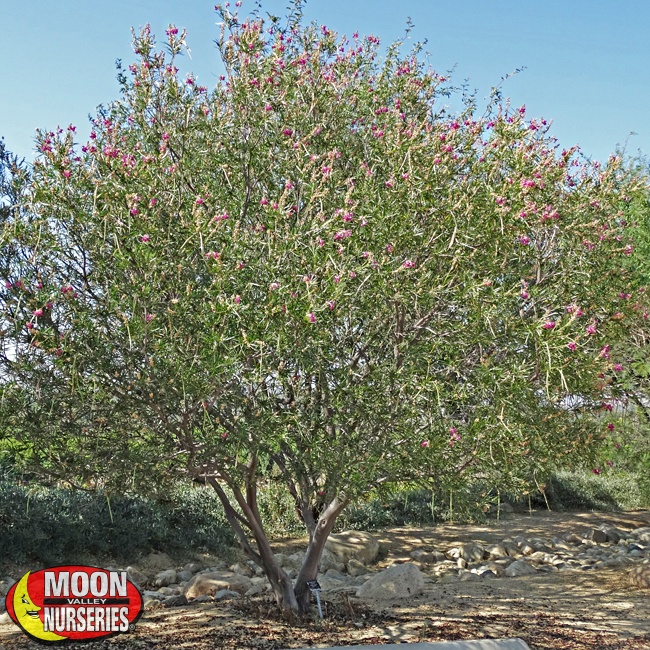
x: 472, y: 551
x: 329, y: 560
x: 356, y: 568
x: 184, y: 576
x: 496, y: 551
x: 293, y: 561
x: 175, y: 601
x: 242, y: 569
x: 398, y: 581
x: 423, y: 557
x: 642, y: 534
x: 208, y: 584
x: 165, y: 578
x: 353, y: 544
x: 520, y: 568
x: 136, y: 576
x: 597, y: 535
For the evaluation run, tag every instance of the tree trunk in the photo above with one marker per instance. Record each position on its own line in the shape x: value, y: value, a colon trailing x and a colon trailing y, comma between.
x: 309, y: 569
x: 290, y: 597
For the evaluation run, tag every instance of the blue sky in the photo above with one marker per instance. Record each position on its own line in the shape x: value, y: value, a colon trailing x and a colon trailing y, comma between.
x: 587, y: 62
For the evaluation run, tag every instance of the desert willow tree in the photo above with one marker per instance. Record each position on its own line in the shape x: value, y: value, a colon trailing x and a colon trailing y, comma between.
x: 311, y: 272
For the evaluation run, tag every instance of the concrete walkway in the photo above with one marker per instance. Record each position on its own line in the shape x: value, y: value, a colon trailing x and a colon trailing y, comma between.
x: 480, y: 644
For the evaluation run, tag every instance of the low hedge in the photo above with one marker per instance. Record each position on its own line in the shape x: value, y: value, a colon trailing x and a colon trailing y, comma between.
x: 49, y: 525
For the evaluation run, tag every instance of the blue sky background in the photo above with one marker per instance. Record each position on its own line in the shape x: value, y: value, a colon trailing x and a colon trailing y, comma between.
x: 587, y: 61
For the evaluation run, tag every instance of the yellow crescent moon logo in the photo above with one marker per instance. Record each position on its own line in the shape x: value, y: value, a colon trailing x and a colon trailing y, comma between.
x: 27, y: 613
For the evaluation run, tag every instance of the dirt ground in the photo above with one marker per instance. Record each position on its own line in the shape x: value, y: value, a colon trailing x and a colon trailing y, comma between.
x: 568, y: 610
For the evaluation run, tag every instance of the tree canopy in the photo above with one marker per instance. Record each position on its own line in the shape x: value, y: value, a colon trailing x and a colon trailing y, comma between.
x: 313, y: 271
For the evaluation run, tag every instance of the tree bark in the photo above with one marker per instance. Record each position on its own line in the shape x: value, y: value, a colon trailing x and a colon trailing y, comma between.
x: 309, y: 569
x: 290, y: 597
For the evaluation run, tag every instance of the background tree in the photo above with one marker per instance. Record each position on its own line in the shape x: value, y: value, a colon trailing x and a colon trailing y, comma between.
x: 312, y: 272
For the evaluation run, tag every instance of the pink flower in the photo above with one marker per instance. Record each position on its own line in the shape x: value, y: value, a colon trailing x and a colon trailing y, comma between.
x: 264, y: 201
x: 572, y: 346
x: 523, y: 240
x: 424, y: 443
x: 153, y: 202
x: 165, y: 136
x: 30, y: 326
x: 353, y: 274
x: 337, y: 278
x: 331, y: 304
x: 287, y: 132
x: 237, y: 299
x: 38, y: 312
x: 212, y: 255
x: 611, y: 426
x: 609, y: 463
x: 144, y: 238
x: 548, y: 325
x: 628, y: 250
x: 389, y: 248
x: 524, y: 295
x: 591, y: 329
x: 199, y: 200
x: 606, y: 407
x: 321, y: 243
x: 617, y: 367
x: 408, y: 264
x: 312, y: 317
x: 596, y: 470
x: 66, y: 173
x: 455, y: 436
x: 604, y: 352
x: 273, y: 286
x: 150, y: 317
x: 134, y: 211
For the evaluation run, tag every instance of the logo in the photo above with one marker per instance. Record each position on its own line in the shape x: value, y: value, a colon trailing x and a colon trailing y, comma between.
x: 74, y: 603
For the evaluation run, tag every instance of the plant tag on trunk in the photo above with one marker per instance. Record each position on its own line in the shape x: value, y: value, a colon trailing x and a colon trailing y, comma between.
x: 313, y: 585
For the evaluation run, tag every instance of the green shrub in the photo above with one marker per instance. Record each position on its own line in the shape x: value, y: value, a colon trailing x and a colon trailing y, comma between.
x: 45, y: 525
x: 417, y: 507
x: 580, y: 490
